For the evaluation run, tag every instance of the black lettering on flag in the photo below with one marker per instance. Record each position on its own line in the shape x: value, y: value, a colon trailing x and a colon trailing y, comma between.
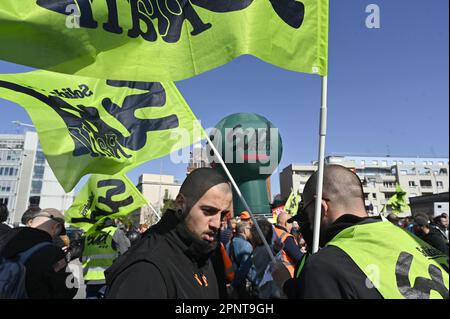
x: 170, y: 15
x: 92, y: 135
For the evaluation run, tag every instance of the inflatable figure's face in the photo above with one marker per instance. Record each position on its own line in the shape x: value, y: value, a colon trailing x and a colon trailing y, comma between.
x: 251, y: 146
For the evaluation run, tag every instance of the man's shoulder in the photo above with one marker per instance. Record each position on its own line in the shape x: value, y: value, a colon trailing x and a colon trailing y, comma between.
x: 329, y: 259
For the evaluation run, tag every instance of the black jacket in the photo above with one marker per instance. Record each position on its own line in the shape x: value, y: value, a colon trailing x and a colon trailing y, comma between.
x: 45, y: 270
x: 162, y: 265
x: 436, y: 239
x: 331, y: 273
x: 4, y: 231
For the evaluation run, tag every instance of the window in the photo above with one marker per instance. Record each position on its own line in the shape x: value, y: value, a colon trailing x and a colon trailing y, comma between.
x: 375, y: 162
x: 394, y: 162
x: 440, y: 184
x: 403, y: 172
x: 439, y: 206
x: 36, y: 187
x: 400, y: 162
x: 388, y: 195
x: 413, y: 163
x: 412, y: 184
x: 374, y: 195
x: 430, y: 163
x: 424, y: 163
x: 441, y: 163
x: 425, y: 183
x: 40, y: 158
x: 384, y: 163
x: 388, y: 184
x: 363, y: 162
x: 38, y: 171
x: 443, y: 171
x: 366, y: 196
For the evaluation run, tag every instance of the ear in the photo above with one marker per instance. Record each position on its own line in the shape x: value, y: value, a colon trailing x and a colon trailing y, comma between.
x: 325, y: 208
x: 180, y: 202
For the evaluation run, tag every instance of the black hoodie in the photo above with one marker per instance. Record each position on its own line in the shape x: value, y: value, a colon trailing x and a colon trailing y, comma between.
x: 46, y: 274
x: 165, y: 263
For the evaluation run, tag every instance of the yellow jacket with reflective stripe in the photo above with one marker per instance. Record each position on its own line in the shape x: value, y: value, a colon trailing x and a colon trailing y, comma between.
x: 98, y: 253
x: 397, y: 263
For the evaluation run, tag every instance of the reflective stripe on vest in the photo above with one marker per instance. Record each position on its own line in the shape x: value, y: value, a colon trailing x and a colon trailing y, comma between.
x: 397, y: 263
x: 98, y: 253
x: 287, y: 261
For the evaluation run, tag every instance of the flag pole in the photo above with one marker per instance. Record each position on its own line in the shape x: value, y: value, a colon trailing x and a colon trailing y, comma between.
x: 321, y: 164
x: 238, y: 192
x: 154, y: 211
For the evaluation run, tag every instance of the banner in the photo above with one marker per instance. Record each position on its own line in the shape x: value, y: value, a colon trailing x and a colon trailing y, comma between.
x: 292, y: 203
x: 161, y: 40
x: 397, y: 202
x: 87, y: 125
x: 104, y: 196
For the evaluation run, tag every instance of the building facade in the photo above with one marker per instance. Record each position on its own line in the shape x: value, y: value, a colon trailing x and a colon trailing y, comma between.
x: 417, y: 176
x: 198, y: 158
x: 25, y: 174
x: 156, y: 188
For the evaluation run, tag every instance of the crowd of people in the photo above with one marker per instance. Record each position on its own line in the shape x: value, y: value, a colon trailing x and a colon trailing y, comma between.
x: 197, y: 252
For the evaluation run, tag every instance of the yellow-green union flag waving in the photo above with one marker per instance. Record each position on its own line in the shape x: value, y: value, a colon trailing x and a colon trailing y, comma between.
x: 89, y: 125
x: 104, y: 197
x: 160, y: 40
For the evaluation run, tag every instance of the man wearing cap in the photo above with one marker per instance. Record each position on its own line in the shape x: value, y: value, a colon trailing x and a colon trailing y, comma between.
x: 429, y: 234
x: 172, y: 260
x: 245, y: 217
x: 46, y: 275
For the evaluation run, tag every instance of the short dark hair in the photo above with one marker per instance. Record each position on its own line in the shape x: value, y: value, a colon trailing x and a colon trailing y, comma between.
x: 3, y: 213
x: 199, y: 182
x: 29, y: 214
x: 421, y: 220
x: 266, y: 229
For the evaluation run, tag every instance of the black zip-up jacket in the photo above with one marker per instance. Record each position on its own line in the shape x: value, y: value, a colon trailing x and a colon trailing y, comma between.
x: 331, y: 273
x: 162, y: 265
x: 46, y: 274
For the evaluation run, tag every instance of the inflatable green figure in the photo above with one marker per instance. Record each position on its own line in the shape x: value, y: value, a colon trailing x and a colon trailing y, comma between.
x: 251, y: 147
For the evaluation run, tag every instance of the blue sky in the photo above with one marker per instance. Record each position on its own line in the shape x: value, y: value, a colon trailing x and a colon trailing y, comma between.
x: 388, y: 88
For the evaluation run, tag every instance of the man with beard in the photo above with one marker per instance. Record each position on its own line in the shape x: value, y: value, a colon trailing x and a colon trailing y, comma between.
x: 172, y: 260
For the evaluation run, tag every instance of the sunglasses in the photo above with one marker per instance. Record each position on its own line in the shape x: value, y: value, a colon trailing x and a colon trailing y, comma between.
x: 302, y: 211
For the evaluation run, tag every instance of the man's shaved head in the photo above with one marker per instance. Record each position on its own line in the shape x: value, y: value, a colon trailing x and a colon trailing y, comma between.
x: 342, y: 194
x: 282, y: 218
x: 340, y: 185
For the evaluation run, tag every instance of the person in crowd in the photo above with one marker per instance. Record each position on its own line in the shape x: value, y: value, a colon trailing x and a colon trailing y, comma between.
x: 245, y: 217
x: 240, y: 251
x: 441, y: 224
x: 354, y: 246
x: 429, y: 234
x: 393, y: 218
x: 172, y: 260
x: 261, y: 260
x: 290, y: 253
x: 228, y: 232
x: 4, y: 228
x: 28, y: 215
x: 100, y: 248
x: 46, y: 275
